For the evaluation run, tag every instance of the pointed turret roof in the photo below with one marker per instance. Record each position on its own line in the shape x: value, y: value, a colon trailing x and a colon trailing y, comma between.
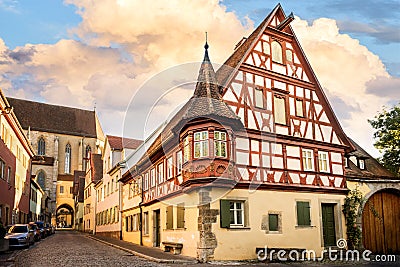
x: 206, y: 101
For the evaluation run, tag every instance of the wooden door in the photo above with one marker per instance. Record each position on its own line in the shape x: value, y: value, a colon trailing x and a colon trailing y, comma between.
x: 157, y: 228
x: 328, y: 224
x: 381, y: 223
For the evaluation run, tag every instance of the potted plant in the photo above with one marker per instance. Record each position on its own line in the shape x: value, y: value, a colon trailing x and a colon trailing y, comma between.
x: 3, y: 242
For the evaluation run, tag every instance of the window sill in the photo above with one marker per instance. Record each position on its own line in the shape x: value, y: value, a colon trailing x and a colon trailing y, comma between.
x: 238, y: 228
x: 304, y: 226
x: 274, y: 232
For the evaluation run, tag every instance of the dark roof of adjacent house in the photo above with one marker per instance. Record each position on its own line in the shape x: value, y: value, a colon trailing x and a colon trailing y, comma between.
x: 96, y: 169
x: 373, y: 169
x: 55, y: 119
x: 120, y: 143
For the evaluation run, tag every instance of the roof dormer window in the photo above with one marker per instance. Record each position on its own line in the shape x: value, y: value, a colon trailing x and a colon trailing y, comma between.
x: 361, y: 164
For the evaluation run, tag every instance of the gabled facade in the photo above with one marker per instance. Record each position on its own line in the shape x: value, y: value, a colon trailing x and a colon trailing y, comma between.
x: 257, y: 152
x: 108, y: 205
x: 16, y: 154
x: 94, y: 174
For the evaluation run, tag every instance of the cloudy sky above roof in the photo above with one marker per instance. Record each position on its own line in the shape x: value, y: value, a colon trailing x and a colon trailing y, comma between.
x: 83, y: 53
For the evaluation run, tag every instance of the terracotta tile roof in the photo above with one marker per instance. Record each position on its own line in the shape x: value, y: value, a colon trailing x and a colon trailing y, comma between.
x: 373, y: 169
x: 120, y: 143
x: 52, y: 118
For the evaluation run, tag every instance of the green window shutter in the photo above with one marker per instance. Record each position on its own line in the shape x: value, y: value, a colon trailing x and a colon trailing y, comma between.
x: 170, y: 218
x: 180, y: 214
x: 273, y: 222
x: 225, y: 217
x: 303, y: 213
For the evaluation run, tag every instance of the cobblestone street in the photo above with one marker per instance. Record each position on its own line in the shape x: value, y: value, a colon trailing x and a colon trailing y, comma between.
x: 69, y: 248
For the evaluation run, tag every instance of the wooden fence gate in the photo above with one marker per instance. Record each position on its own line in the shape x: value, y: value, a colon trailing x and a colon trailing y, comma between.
x: 381, y: 222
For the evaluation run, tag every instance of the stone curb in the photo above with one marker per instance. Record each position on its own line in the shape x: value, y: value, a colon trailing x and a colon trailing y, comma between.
x: 142, y: 255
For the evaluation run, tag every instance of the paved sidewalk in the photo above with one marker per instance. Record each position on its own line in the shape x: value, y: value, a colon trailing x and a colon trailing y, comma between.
x: 150, y: 253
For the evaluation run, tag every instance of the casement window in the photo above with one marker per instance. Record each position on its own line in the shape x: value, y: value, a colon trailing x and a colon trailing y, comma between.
x: 280, y: 109
x: 346, y: 162
x: 303, y: 213
x: 2, y: 169
x: 276, y: 52
x: 130, y: 190
x: 61, y: 189
x: 170, y: 217
x: 200, y: 144
x: 232, y: 213
x: 146, y: 223
x: 186, y: 149
x: 220, y: 144
x: 9, y: 176
x: 41, y: 147
x: 67, y: 164
x: 179, y: 162
x: 308, y: 160
x: 180, y: 216
x: 146, y: 181
x: 299, y: 108
x: 160, y: 172
x: 289, y: 55
x: 323, y: 163
x: 41, y: 179
x: 169, y: 168
x: 128, y: 224
x: 152, y: 177
x: 258, y: 98
x: 361, y: 164
x: 112, y: 186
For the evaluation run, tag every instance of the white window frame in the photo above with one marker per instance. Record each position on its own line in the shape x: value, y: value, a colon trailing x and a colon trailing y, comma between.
x: 179, y: 162
x: 146, y: 181
x: 160, y: 172
x: 361, y: 163
x: 259, y: 97
x: 307, y: 159
x: 169, y: 163
x: 235, y: 211
x: 323, y: 161
x: 201, y: 144
x: 153, y: 177
x: 186, y: 150
x: 276, y: 52
x: 280, y: 116
x: 220, y: 140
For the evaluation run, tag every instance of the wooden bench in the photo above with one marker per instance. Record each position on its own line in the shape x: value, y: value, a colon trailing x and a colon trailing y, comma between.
x: 175, y: 247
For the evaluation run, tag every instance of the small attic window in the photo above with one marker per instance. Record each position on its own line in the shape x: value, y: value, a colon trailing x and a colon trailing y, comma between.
x: 361, y: 164
x: 276, y: 52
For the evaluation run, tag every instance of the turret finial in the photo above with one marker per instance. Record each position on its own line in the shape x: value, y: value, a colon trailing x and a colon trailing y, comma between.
x: 206, y: 45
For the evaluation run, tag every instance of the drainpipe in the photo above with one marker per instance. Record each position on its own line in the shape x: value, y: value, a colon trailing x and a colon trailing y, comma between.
x: 120, y: 205
x: 141, y: 211
x: 95, y: 208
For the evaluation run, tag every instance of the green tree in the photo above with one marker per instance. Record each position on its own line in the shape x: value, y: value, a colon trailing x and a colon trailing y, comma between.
x: 387, y: 135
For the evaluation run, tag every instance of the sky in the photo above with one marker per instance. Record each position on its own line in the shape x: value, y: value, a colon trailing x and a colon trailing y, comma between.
x: 121, y: 55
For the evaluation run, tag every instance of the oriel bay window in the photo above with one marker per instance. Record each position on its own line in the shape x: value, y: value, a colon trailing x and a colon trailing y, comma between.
x: 201, y: 145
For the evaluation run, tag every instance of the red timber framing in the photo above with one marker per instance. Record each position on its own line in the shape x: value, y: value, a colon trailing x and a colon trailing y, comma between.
x: 289, y: 139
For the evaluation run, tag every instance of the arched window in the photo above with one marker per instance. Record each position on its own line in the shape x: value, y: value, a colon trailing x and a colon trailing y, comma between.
x: 87, y: 156
x: 41, y: 147
x: 276, y: 52
x: 41, y: 179
x: 67, y: 168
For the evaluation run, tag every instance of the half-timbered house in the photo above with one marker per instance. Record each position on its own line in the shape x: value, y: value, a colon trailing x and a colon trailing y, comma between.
x: 255, y: 158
